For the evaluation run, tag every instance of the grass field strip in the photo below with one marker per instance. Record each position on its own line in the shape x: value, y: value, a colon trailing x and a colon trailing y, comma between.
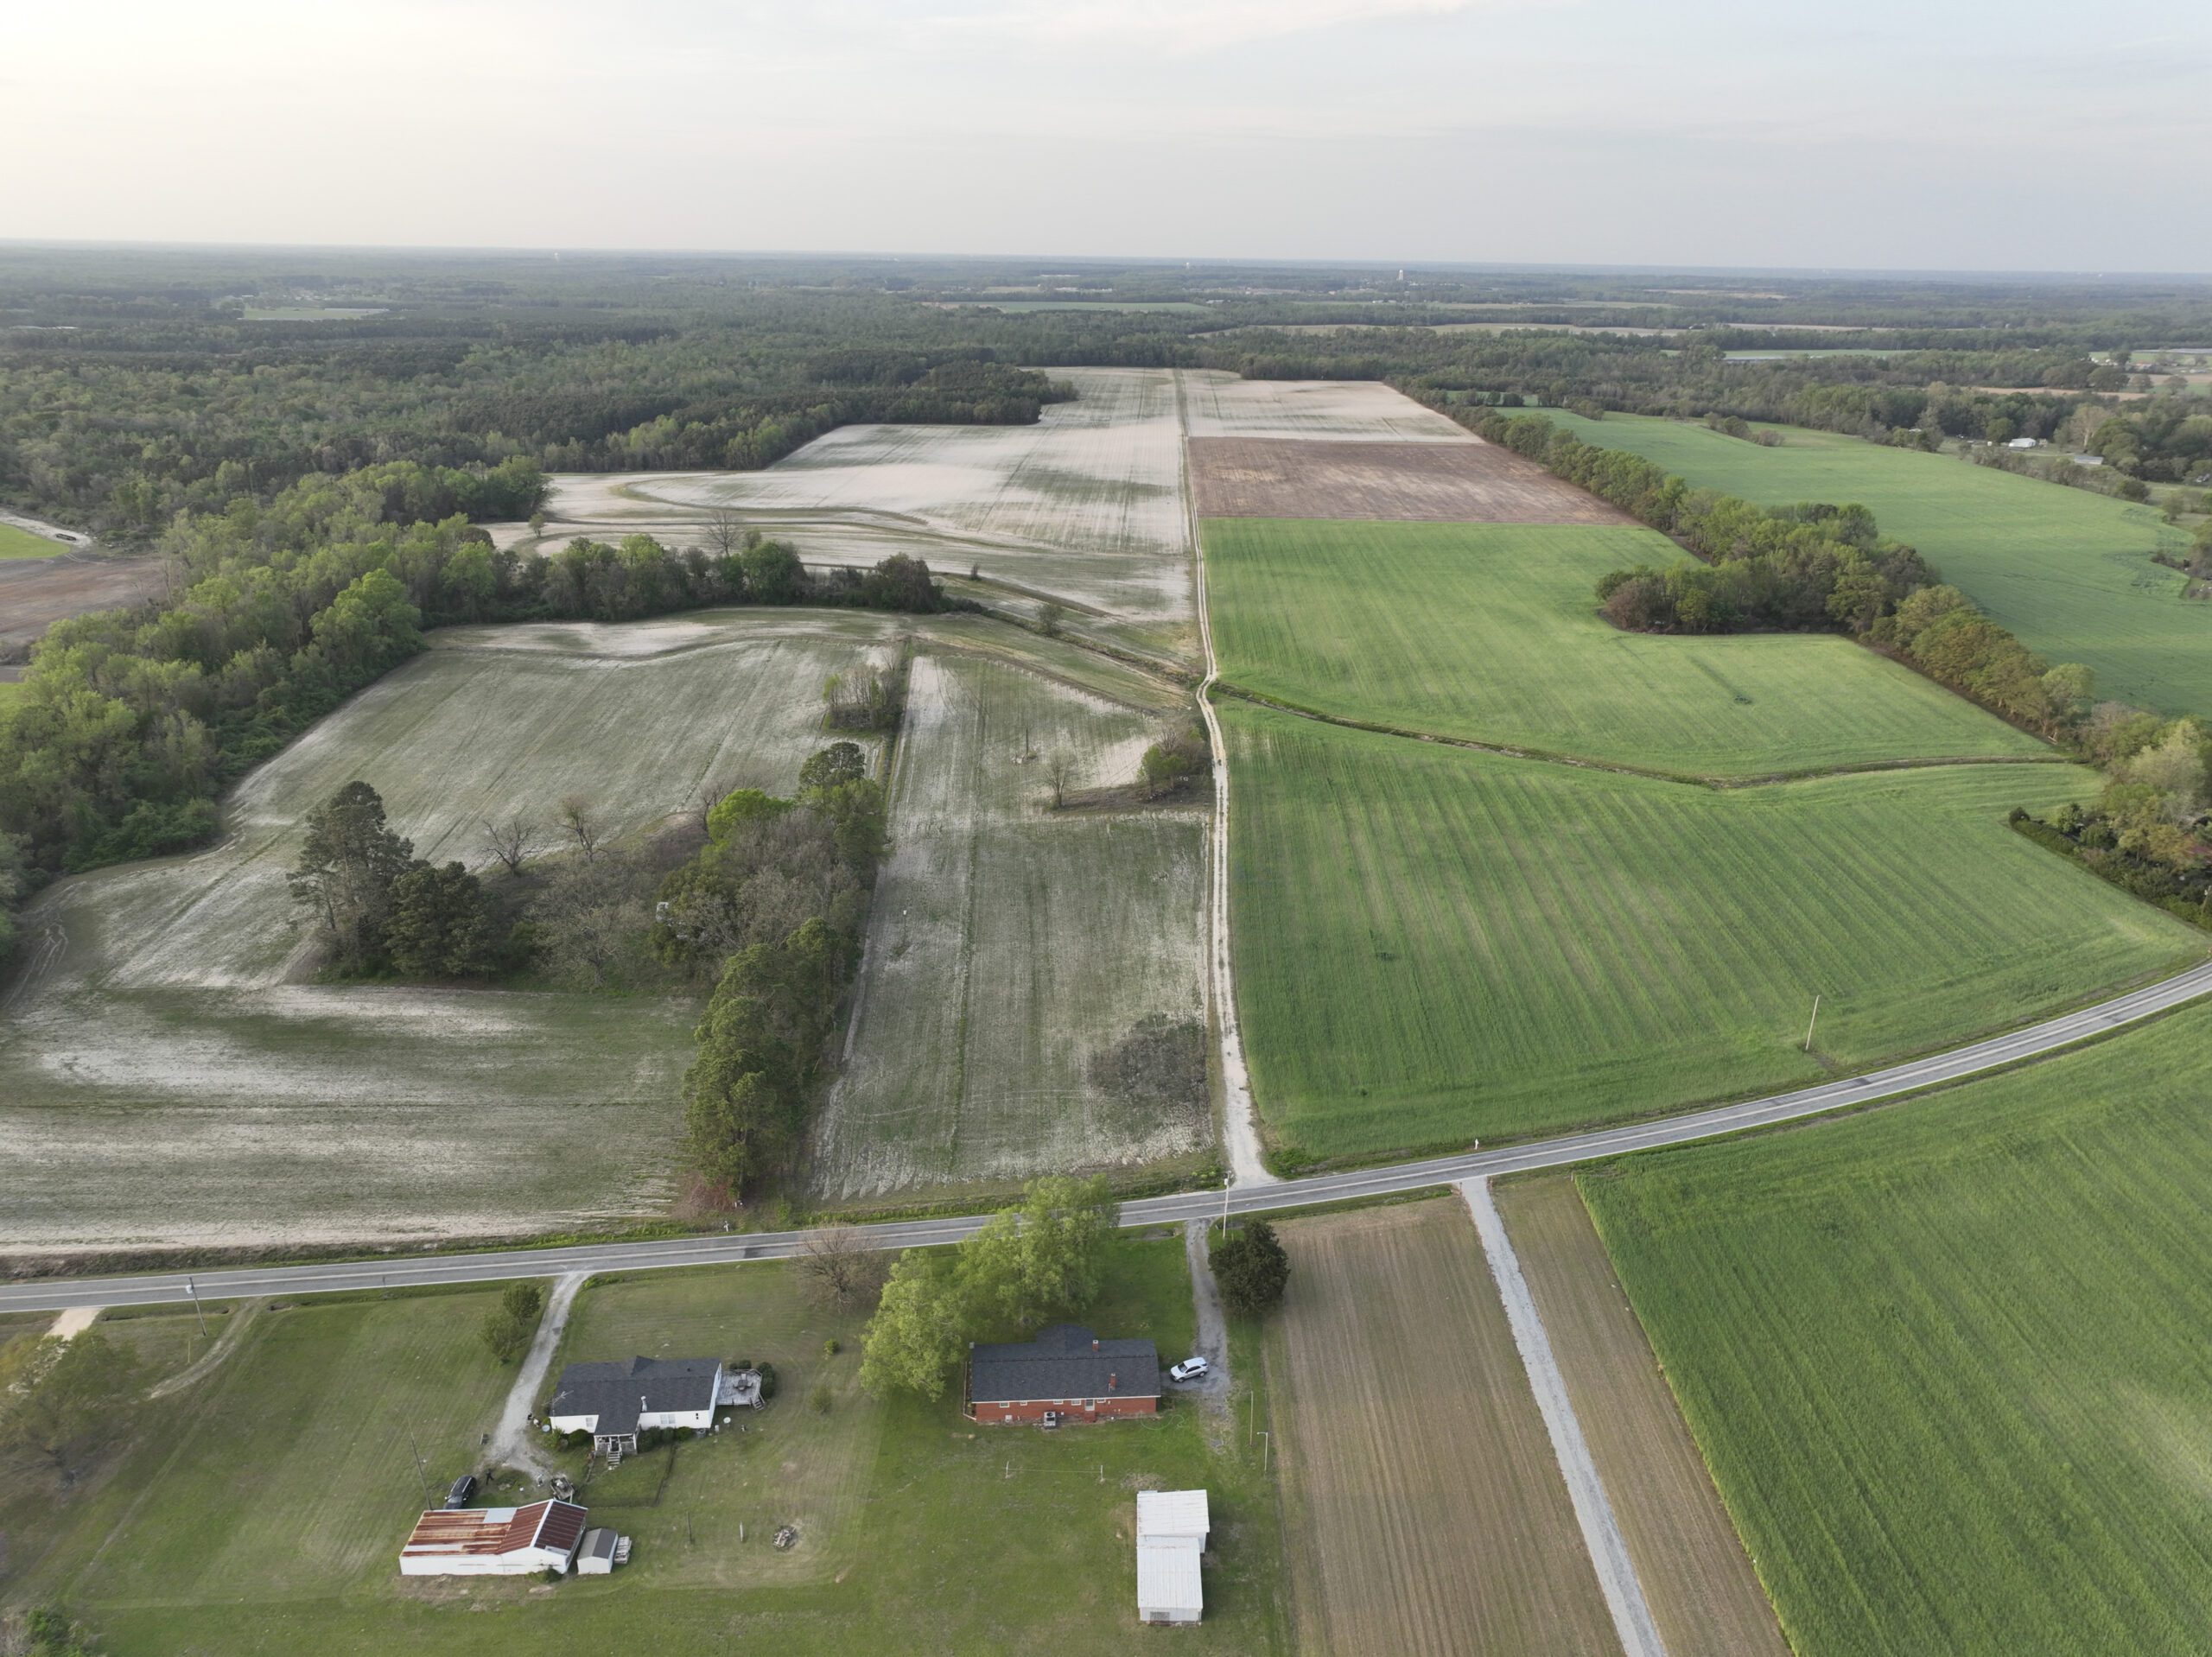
x: 2068, y: 570
x: 1601, y: 1531
x: 1240, y: 1124
x: 1486, y: 636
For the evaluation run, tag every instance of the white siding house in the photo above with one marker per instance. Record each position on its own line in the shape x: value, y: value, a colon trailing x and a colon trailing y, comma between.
x: 1172, y: 1528
x: 614, y: 1402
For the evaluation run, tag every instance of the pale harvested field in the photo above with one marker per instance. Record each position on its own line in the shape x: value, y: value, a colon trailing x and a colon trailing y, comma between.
x: 1703, y: 1593
x: 1453, y: 483
x: 1085, y: 506
x: 166, y: 1077
x: 1009, y: 945
x: 1424, y: 1508
x: 36, y: 592
x: 1220, y: 405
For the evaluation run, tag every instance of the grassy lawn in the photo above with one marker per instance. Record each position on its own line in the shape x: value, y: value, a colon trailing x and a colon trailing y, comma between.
x: 1434, y: 944
x: 22, y: 544
x: 261, y: 1511
x: 2069, y: 571
x: 1490, y: 631
x: 1948, y: 1362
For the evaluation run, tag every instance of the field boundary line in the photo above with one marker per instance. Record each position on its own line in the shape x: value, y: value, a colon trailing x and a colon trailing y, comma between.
x: 1622, y: 768
x: 1593, y: 1511
x: 1240, y: 1125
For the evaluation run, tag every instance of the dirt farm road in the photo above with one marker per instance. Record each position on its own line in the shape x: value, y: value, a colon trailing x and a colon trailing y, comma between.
x: 159, y: 1288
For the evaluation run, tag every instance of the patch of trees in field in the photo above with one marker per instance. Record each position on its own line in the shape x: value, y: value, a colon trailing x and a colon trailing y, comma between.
x: 130, y: 722
x: 772, y: 908
x: 1803, y: 567
x: 2150, y: 828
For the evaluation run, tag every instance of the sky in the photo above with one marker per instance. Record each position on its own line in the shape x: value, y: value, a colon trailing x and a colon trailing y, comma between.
x: 1940, y: 134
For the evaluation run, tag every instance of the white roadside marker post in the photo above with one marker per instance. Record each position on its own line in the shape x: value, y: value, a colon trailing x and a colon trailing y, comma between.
x: 1810, y: 1022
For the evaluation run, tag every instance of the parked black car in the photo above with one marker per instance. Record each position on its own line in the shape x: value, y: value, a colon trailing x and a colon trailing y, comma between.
x: 463, y: 1488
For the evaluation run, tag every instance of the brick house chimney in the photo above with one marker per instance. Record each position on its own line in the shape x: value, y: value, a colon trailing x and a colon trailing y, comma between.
x: 1112, y: 1381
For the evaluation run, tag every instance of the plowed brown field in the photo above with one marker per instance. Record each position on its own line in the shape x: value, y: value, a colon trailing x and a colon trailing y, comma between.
x: 36, y: 592
x: 1455, y: 483
x: 1699, y: 1584
x: 1424, y: 1510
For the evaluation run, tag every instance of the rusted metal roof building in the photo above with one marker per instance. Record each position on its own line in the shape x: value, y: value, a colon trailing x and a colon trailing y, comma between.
x: 494, y: 1541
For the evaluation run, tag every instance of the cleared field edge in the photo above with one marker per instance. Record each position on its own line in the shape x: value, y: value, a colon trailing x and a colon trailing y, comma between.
x: 1423, y: 1511
x: 1703, y: 1591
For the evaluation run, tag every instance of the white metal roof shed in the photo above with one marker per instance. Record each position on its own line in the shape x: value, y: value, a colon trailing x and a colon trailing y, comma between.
x: 1169, y: 1588
x: 1171, y: 1513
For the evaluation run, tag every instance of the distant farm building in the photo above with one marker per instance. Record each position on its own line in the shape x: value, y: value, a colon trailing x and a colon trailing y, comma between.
x: 1066, y: 1373
x: 614, y: 1402
x: 494, y: 1541
x: 1171, y: 1527
x: 2022, y: 443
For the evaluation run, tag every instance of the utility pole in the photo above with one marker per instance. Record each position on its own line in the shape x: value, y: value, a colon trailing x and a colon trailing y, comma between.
x: 1810, y: 1022
x: 421, y: 1470
x: 1267, y: 1451
x: 192, y: 1290
x: 1225, y: 1179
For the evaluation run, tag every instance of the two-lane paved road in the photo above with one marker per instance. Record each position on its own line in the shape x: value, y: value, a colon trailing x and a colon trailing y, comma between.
x: 55, y: 1294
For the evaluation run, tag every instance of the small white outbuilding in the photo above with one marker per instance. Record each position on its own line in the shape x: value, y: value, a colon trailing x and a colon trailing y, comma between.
x: 1171, y: 1527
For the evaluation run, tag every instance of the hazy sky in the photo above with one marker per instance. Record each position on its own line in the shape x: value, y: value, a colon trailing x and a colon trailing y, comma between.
x: 1883, y: 134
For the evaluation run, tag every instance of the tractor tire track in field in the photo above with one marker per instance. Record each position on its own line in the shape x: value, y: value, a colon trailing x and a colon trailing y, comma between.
x: 1240, y: 1122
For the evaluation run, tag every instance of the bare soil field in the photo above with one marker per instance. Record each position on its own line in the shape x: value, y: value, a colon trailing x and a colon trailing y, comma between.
x: 1703, y: 1593
x: 1424, y: 1510
x: 1220, y: 405
x: 1085, y: 506
x: 36, y: 592
x: 168, y: 1078
x: 1456, y: 483
x: 1013, y: 950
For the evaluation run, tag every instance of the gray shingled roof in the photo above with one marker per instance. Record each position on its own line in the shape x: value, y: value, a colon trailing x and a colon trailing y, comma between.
x: 1062, y: 1363
x: 613, y: 1392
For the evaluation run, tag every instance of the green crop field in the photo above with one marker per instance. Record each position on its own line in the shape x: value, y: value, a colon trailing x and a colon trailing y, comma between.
x: 16, y: 543
x: 2069, y: 571
x: 1434, y: 943
x: 1490, y: 631
x: 1948, y: 1362
x: 261, y: 1510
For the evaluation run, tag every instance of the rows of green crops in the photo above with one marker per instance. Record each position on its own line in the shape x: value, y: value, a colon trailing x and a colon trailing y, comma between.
x: 2069, y: 571
x: 1490, y: 631
x: 1433, y: 945
x: 1949, y: 1361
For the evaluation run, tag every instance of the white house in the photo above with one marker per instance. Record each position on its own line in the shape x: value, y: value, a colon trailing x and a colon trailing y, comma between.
x: 614, y: 1402
x: 1172, y: 1528
x: 494, y: 1541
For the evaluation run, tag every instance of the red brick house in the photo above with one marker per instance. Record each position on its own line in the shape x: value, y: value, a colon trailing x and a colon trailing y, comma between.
x: 1066, y: 1373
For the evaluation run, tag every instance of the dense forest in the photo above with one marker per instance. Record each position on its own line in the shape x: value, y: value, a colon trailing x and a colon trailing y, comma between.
x: 137, y: 384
